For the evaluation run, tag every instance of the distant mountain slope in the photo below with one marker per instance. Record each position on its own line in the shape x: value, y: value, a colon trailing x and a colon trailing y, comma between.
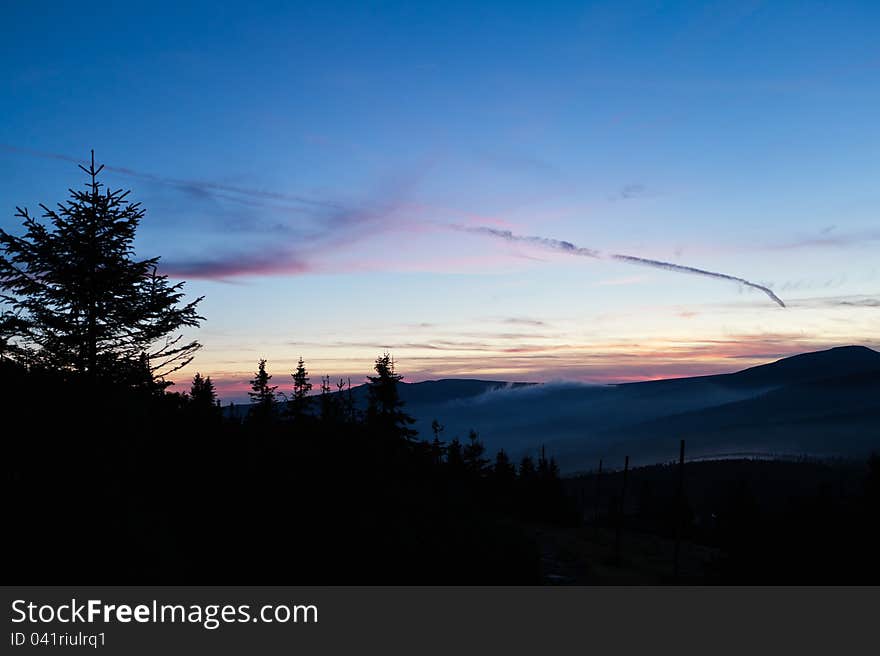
x: 837, y: 362
x: 446, y: 390
x: 837, y: 416
x: 822, y: 403
x: 450, y: 389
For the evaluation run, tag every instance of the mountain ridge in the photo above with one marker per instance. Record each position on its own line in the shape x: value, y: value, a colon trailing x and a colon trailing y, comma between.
x: 821, y: 402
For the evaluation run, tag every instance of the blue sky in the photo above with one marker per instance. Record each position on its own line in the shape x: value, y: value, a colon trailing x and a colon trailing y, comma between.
x: 302, y: 163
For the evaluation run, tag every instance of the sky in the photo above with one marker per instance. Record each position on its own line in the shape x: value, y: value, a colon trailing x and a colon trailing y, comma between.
x: 475, y: 187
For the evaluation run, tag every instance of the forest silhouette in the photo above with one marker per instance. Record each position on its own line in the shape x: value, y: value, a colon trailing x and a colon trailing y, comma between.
x: 114, y: 478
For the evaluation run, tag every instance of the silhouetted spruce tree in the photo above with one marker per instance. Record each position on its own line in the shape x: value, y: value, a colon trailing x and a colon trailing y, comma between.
x: 232, y: 414
x: 351, y: 413
x: 11, y: 325
x: 203, y: 396
x: 503, y: 476
x: 328, y: 409
x: 301, y: 388
x: 474, y: 461
x: 333, y: 403
x: 503, y: 470
x: 454, y: 457
x: 527, y: 472
x: 336, y: 406
x: 78, y: 299
x: 437, y: 448
x: 543, y: 466
x: 528, y: 487
x: 262, y: 394
x: 202, y: 391
x: 385, y: 411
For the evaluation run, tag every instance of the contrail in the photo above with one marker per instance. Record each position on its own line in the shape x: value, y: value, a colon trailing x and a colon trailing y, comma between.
x: 545, y: 242
x: 220, y: 190
x: 700, y: 272
x: 568, y: 247
x: 213, y: 188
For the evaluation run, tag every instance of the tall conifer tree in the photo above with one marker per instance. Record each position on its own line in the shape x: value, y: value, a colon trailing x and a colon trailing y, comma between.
x: 80, y: 301
x: 385, y: 410
x: 301, y: 388
x: 262, y: 394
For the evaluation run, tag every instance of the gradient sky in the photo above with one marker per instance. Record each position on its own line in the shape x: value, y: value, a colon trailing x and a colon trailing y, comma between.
x: 302, y: 165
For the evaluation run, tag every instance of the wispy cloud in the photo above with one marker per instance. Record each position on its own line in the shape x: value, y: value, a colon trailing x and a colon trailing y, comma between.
x: 847, y: 301
x: 864, y: 302
x: 571, y: 249
x: 266, y: 243
x: 297, y: 253
x: 508, y: 336
x: 829, y: 237
x: 524, y: 321
x: 633, y: 191
x: 815, y: 283
x: 483, y: 342
x: 542, y: 242
x: 278, y: 250
x: 315, y: 226
x: 227, y: 266
x: 203, y: 187
x: 669, y: 266
x: 523, y: 162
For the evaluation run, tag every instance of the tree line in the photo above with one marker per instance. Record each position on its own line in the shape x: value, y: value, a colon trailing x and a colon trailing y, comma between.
x: 111, y: 474
x: 532, y: 486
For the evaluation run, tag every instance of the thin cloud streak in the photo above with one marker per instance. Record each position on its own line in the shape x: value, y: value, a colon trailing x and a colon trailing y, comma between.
x: 525, y: 321
x: 571, y: 249
x: 543, y: 242
x: 339, y: 218
x: 829, y: 238
x: 223, y: 268
x: 658, y: 264
x: 860, y: 301
x: 439, y: 345
x: 213, y: 188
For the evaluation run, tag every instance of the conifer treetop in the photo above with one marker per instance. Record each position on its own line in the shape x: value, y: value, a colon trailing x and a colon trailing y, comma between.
x: 77, y: 298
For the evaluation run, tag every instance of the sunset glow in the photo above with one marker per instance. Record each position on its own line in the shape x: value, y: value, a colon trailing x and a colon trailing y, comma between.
x: 316, y: 213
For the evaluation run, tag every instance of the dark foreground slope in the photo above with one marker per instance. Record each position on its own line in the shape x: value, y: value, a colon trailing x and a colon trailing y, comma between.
x: 155, y: 489
x: 741, y: 521
x: 148, y: 487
